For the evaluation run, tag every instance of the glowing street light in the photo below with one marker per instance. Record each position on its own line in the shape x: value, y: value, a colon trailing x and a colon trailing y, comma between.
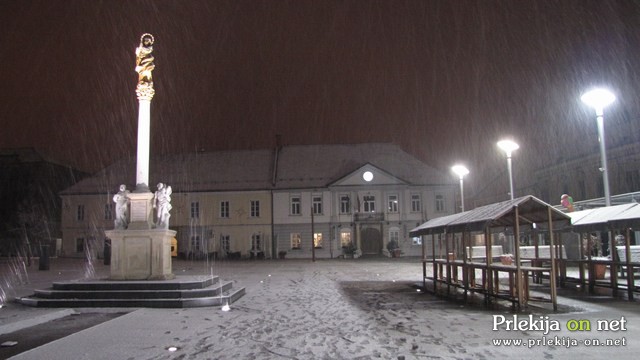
x: 599, y: 99
x: 508, y: 147
x: 461, y: 171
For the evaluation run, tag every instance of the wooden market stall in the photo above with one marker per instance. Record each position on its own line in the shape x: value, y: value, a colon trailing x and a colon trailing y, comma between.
x: 623, y: 258
x: 465, y: 244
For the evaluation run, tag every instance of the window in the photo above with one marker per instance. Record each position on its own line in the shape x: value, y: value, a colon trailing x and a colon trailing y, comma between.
x: 295, y: 204
x: 394, y: 235
x: 416, y: 240
x: 317, y: 204
x: 317, y: 240
x: 195, y: 243
x: 80, y: 213
x: 256, y: 242
x: 108, y: 211
x: 295, y: 241
x: 416, y: 203
x: 439, y: 203
x: 225, y: 243
x: 369, y: 203
x: 345, y: 238
x: 195, y: 210
x: 255, y: 208
x: 392, y: 201
x: 80, y: 245
x: 345, y: 204
x: 224, y: 209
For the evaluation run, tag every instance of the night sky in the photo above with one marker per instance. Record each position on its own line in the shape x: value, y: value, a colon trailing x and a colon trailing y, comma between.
x: 445, y: 80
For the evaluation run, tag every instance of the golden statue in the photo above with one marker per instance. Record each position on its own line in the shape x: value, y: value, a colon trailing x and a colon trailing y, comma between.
x: 144, y: 60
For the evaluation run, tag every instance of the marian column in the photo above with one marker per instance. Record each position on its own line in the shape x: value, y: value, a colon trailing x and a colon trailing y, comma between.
x: 141, y: 198
x: 141, y: 250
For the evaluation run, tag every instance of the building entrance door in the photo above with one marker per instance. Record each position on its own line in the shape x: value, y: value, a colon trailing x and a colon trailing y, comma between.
x: 371, y: 240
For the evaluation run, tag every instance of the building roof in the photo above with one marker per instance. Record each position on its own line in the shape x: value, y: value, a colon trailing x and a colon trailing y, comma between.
x: 530, y: 210
x: 301, y: 166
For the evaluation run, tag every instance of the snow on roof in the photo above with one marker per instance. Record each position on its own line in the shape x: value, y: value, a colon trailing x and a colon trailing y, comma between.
x: 300, y: 166
x: 530, y: 210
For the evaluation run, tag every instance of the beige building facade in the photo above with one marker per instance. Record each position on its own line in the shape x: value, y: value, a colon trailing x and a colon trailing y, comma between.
x: 271, y: 203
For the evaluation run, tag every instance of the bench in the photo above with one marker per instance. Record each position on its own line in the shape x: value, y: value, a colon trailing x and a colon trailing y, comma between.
x: 621, y: 251
x: 480, y: 252
x: 529, y: 252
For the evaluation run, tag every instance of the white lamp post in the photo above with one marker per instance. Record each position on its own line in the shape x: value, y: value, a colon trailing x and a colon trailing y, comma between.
x: 461, y: 171
x: 599, y: 99
x: 508, y: 147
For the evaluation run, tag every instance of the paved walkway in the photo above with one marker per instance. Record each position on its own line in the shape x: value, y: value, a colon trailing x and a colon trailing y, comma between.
x: 330, y: 309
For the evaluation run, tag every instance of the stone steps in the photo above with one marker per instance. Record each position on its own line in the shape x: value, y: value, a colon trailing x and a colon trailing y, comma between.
x: 181, y: 292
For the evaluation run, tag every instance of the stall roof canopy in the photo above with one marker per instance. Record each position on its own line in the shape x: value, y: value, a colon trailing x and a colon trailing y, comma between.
x: 530, y: 210
x: 610, y: 217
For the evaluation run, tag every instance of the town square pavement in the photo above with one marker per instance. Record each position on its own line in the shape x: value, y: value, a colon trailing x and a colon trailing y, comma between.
x: 327, y: 309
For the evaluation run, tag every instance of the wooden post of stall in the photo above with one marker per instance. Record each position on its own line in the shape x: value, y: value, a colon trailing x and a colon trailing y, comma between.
x: 488, y: 271
x: 630, y: 280
x: 435, y: 266
x: 516, y: 238
x: 552, y: 277
x: 614, y: 263
x: 465, y: 271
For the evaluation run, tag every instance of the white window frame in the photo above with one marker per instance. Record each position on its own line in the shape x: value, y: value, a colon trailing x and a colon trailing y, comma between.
x: 392, y: 203
x: 345, y: 204
x: 369, y: 203
x: 316, y: 201
x: 195, y: 210
x: 255, y: 208
x: 224, y: 209
x: 295, y: 205
x: 416, y: 203
x: 80, y: 212
x: 439, y: 203
x: 345, y: 238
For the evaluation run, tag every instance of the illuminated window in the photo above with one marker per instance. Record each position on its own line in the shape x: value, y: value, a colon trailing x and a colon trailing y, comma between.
x: 416, y: 240
x: 345, y: 238
x: 295, y: 240
x: 317, y: 240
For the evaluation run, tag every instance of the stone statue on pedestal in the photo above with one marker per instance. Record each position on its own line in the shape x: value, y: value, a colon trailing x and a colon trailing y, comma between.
x: 144, y: 66
x: 122, y: 208
x: 162, y: 204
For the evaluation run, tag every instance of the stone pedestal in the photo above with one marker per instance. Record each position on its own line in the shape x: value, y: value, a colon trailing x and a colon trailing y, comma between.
x: 141, y: 254
x: 141, y: 210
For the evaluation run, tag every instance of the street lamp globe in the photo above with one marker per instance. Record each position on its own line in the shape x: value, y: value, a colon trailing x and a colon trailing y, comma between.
x: 508, y: 146
x: 598, y: 99
x: 461, y: 171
